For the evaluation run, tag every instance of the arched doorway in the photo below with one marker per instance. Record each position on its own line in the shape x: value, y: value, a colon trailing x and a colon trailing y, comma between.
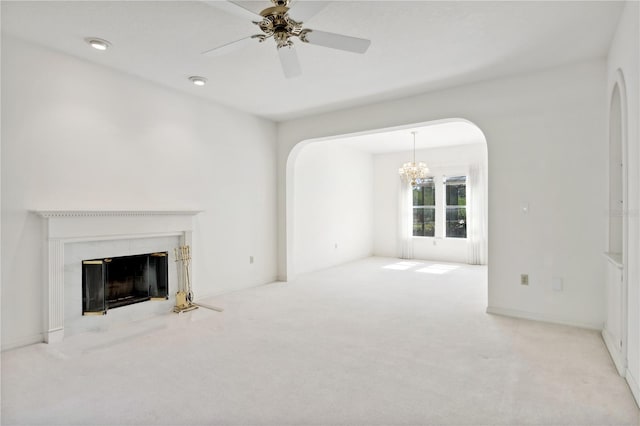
x: 327, y: 188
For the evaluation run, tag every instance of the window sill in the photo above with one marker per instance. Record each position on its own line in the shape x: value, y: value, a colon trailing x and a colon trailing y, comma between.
x: 420, y: 237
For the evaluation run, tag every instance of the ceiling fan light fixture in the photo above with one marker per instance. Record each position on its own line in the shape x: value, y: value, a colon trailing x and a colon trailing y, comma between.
x: 275, y: 23
x: 282, y: 39
x: 197, y: 80
x: 98, y: 43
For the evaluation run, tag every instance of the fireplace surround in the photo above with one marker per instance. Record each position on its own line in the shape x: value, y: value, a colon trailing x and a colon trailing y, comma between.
x: 71, y: 230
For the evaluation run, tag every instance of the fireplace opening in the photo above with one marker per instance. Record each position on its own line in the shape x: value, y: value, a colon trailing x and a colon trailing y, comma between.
x: 120, y: 281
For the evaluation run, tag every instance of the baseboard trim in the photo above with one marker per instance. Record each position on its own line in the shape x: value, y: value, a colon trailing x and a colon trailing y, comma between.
x: 633, y: 385
x: 614, y: 351
x: 541, y: 317
x: 23, y: 341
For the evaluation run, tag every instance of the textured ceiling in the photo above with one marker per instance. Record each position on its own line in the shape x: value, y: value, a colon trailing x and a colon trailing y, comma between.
x: 416, y: 46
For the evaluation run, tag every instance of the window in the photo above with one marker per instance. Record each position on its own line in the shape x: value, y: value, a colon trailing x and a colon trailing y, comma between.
x: 424, y: 209
x: 456, y: 207
x: 440, y: 210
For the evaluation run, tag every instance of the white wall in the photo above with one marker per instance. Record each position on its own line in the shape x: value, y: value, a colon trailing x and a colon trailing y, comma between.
x: 538, y: 127
x: 449, y: 161
x: 333, y: 206
x: 80, y: 136
x: 624, y: 57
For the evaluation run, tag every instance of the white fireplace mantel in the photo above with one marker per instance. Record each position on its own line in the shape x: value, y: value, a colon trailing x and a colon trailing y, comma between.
x: 80, y: 213
x: 69, y: 226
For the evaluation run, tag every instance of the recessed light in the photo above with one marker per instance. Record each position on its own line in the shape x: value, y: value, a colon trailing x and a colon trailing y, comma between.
x: 198, y: 81
x: 98, y: 43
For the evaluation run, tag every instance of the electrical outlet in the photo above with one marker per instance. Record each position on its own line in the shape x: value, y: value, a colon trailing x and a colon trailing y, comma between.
x: 250, y: 259
x: 335, y: 245
x: 524, y: 279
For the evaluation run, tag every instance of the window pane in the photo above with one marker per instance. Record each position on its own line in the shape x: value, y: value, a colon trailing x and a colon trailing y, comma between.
x: 456, y: 222
x: 429, y: 195
x: 418, y: 222
x: 418, y: 197
x: 456, y: 194
x: 425, y: 195
x: 429, y: 222
x: 455, y: 189
x: 424, y: 222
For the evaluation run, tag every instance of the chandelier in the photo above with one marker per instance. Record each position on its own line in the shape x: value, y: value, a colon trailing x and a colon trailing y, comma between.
x: 412, y: 172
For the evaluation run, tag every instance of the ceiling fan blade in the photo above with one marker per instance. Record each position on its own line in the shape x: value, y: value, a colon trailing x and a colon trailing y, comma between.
x: 335, y: 41
x: 302, y: 11
x: 229, y: 47
x: 289, y: 62
x: 235, y: 9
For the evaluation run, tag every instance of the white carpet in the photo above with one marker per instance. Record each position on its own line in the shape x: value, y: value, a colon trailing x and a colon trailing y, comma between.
x: 368, y: 343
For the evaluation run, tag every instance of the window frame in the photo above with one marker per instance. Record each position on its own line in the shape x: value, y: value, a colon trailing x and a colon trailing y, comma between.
x: 440, y: 204
x: 446, y: 206
x: 429, y: 180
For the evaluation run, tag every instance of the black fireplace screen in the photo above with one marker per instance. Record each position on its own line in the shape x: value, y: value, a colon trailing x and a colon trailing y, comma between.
x: 119, y: 281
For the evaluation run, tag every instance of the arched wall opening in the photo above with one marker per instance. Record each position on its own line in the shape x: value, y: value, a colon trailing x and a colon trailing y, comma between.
x: 615, y: 172
x: 615, y: 330
x: 342, y: 194
x: 536, y: 127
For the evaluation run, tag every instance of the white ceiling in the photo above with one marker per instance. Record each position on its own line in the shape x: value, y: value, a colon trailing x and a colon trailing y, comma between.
x: 416, y: 46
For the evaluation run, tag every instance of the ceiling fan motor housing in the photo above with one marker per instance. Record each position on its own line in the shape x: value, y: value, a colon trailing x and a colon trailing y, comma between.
x: 278, y: 24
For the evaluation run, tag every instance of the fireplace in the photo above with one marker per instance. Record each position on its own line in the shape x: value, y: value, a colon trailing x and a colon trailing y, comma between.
x: 110, y: 283
x: 75, y: 235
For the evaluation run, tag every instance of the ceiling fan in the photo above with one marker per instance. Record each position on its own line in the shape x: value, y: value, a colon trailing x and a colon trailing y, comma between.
x: 275, y: 22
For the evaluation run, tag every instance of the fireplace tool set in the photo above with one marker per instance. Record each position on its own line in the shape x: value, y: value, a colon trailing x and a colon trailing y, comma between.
x: 184, y: 296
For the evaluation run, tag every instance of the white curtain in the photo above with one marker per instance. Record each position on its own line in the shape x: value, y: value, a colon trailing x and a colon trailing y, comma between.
x: 405, y: 220
x: 477, y: 221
